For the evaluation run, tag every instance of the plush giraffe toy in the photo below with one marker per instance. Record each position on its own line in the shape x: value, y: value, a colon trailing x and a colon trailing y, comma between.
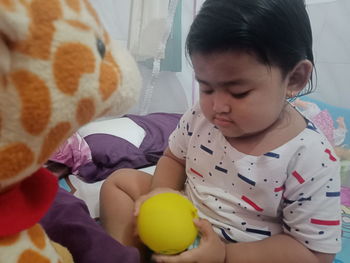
x: 58, y: 70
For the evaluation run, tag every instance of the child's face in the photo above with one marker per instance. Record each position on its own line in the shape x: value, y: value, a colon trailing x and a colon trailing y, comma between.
x: 238, y: 94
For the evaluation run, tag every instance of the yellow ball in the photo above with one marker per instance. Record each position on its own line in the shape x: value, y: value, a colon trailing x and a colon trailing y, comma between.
x: 165, y: 223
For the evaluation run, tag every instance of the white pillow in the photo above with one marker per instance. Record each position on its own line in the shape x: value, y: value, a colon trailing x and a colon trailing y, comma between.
x: 120, y: 127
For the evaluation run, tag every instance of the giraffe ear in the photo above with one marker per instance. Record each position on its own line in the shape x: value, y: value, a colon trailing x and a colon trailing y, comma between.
x: 5, y: 56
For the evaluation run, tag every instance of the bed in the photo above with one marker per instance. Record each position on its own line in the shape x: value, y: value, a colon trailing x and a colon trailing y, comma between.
x: 129, y: 142
x: 137, y: 142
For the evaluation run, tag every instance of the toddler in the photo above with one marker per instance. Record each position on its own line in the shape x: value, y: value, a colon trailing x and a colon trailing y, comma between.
x: 264, y: 180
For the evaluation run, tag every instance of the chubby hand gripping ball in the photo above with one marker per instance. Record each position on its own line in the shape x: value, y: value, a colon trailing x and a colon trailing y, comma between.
x: 165, y: 223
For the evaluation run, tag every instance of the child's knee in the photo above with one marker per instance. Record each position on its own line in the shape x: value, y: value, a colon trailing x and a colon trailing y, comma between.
x: 120, y: 173
x: 132, y: 182
x: 124, y: 180
x: 118, y: 177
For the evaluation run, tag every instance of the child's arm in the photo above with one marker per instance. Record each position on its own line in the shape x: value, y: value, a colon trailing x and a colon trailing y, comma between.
x: 169, y: 176
x: 278, y: 248
x: 170, y: 172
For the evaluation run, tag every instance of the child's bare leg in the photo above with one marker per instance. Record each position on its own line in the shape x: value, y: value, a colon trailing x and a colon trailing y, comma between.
x: 117, y: 197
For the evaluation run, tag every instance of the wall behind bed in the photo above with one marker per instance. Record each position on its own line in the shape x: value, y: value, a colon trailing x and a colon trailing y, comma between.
x: 330, y: 23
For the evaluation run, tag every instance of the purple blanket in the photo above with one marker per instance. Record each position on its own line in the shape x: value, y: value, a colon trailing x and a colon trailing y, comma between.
x: 110, y: 153
x: 345, y: 196
x: 68, y: 223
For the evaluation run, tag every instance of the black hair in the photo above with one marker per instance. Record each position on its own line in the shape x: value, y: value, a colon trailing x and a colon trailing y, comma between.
x: 278, y: 32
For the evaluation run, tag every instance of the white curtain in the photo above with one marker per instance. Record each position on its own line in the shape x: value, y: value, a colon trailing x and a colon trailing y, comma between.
x: 147, y: 26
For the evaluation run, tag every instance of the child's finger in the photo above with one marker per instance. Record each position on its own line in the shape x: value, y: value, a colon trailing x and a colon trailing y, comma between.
x: 136, y: 209
x: 138, y: 204
x: 204, y: 227
x: 183, y: 257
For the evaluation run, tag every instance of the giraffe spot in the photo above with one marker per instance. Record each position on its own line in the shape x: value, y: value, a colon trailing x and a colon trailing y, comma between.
x: 106, y: 37
x: 79, y: 25
x: 109, y: 59
x: 71, y: 61
x: 108, y: 81
x: 35, y: 100
x: 42, y: 13
x: 30, y: 255
x: 9, y: 240
x: 74, y: 4
x: 92, y: 11
x: 8, y: 4
x: 109, y: 77
x: 54, y: 138
x: 85, y: 111
x: 14, y: 158
x: 37, y: 236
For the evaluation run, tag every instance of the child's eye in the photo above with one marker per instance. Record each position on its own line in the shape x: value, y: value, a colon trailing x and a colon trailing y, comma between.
x: 206, y: 91
x: 240, y: 95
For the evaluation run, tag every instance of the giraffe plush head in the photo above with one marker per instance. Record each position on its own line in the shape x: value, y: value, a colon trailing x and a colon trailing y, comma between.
x: 58, y: 70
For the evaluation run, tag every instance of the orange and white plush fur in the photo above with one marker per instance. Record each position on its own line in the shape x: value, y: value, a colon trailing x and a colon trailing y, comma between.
x: 58, y: 70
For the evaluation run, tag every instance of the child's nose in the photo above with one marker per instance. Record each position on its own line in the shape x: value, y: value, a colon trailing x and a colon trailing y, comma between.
x: 220, y: 102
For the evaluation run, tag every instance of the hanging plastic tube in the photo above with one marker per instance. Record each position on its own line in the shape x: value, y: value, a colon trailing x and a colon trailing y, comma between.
x: 194, y: 87
x: 146, y: 101
x: 311, y: 2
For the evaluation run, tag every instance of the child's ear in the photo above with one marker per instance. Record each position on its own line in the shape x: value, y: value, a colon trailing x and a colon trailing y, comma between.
x: 299, y: 76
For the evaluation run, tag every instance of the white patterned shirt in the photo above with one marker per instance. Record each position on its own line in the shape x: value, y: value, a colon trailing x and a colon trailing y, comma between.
x: 293, y: 189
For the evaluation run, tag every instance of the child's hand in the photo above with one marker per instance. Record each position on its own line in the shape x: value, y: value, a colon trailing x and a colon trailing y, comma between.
x: 210, y: 250
x: 156, y: 191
